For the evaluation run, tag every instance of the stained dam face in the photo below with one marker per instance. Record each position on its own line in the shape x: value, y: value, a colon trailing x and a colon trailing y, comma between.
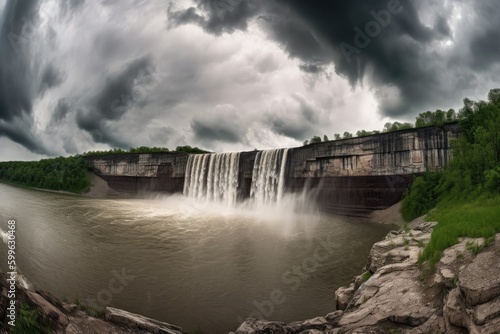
x: 350, y: 177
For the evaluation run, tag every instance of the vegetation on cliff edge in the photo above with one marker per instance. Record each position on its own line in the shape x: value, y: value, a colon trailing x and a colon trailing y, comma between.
x: 145, y: 149
x: 428, y: 118
x: 466, y: 194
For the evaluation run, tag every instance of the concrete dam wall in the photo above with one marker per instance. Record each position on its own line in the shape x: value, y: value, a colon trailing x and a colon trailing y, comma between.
x: 350, y: 176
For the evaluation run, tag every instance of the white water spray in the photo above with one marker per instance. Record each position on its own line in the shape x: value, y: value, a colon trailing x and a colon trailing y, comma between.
x: 213, y: 177
x: 268, y: 177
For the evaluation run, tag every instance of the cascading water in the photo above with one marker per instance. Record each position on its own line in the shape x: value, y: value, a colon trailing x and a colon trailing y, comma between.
x: 268, y: 177
x: 212, y: 177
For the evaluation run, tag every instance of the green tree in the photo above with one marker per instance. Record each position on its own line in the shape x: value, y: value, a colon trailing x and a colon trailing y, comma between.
x: 189, y: 149
x: 325, y: 138
x: 347, y: 135
x: 387, y: 126
x: 451, y: 115
x: 315, y: 139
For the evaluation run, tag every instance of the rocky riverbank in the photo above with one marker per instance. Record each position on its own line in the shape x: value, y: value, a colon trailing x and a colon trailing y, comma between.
x: 395, y: 295
x: 41, y: 312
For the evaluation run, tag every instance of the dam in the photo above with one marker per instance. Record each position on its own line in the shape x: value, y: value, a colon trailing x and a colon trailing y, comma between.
x: 349, y: 177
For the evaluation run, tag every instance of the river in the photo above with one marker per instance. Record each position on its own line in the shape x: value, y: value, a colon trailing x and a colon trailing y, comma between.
x: 195, y: 264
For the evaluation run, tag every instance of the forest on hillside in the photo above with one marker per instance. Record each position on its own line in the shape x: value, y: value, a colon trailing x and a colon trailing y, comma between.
x: 65, y: 174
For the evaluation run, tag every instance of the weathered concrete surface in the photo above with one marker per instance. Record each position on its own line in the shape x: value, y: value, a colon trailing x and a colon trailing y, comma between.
x: 358, y: 175
x: 135, y: 173
x: 351, y: 176
x: 395, y: 153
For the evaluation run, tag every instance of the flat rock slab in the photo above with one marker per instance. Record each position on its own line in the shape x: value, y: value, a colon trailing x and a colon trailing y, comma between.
x: 487, y: 311
x: 257, y: 326
x: 396, y: 297
x: 89, y: 325
x: 480, y: 280
x: 139, y: 322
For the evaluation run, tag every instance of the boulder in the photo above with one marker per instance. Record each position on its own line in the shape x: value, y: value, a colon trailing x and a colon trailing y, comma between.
x: 139, y: 322
x: 396, y: 297
x: 315, y: 324
x: 480, y: 280
x: 487, y: 311
x: 343, y: 296
x: 257, y: 326
x: 334, y: 317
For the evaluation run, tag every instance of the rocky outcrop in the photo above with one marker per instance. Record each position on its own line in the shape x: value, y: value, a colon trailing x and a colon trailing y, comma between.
x: 393, y: 295
x: 396, y: 295
x: 58, y: 317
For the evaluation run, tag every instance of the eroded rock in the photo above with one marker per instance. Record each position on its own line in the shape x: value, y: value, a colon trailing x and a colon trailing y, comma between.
x: 480, y: 280
x: 343, y: 296
x: 137, y: 321
x: 487, y: 311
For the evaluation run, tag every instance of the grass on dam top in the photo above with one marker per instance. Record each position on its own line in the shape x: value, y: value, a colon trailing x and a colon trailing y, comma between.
x: 475, y: 219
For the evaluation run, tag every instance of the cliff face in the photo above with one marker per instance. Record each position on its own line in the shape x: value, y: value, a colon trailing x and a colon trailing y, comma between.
x: 354, y: 176
x: 133, y: 173
x: 350, y: 176
x: 394, y: 153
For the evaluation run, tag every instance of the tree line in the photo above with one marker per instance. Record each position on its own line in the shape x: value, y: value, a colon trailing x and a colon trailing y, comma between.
x: 145, y: 149
x: 66, y: 174
x: 428, y: 118
x: 475, y: 166
x: 465, y: 195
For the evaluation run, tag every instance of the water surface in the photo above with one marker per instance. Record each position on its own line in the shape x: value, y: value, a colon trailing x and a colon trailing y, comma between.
x: 191, y: 263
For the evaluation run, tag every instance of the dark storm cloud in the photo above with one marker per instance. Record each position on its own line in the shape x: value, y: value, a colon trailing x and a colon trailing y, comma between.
x: 400, y: 55
x: 222, y: 124
x: 20, y: 79
x: 297, y: 120
x: 394, y: 55
x: 219, y: 131
x: 17, y: 132
x: 216, y: 16
x: 61, y: 110
x: 15, y: 73
x: 69, y: 6
x: 484, y: 48
x: 50, y: 77
x: 114, y: 99
x: 311, y: 68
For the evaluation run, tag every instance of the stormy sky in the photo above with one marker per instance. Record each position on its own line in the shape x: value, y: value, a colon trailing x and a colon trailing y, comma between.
x: 230, y: 75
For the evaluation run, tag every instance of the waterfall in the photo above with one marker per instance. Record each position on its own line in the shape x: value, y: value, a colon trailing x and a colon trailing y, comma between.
x: 268, y: 177
x: 213, y: 177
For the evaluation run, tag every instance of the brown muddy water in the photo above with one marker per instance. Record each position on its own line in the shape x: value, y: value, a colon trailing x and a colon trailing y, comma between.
x: 191, y: 263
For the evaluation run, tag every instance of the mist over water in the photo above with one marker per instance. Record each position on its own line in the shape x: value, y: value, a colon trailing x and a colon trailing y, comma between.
x: 194, y: 262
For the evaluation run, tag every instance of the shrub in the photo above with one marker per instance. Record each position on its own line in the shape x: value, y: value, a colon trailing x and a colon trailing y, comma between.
x: 29, y: 321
